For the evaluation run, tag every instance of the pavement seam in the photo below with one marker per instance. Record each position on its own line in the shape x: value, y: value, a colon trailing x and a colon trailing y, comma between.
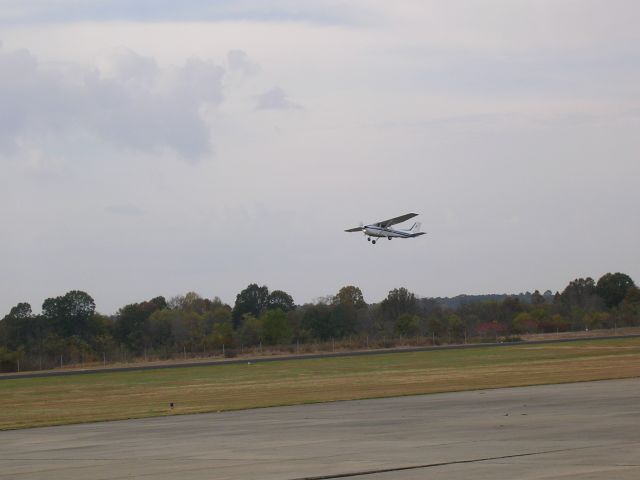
x: 431, y: 465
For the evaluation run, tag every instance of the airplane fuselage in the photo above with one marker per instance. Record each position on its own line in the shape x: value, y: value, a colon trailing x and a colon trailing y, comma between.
x: 374, y: 231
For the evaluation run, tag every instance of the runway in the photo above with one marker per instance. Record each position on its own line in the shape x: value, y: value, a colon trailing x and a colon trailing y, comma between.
x: 574, y: 431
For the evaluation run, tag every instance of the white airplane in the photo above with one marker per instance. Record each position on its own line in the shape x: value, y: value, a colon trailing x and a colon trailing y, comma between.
x: 381, y: 229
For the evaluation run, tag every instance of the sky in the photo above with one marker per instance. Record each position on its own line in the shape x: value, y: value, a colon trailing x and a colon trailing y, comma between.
x: 156, y: 147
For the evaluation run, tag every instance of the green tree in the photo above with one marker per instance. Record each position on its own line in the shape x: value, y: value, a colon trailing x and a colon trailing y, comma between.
x: 251, y: 330
x: 456, y: 328
x: 252, y: 300
x: 16, y: 327
x: 222, y: 335
x: 317, y: 319
x: 187, y: 329
x: 219, y: 314
x: 54, y: 345
x: 595, y: 320
x: 407, y: 325
x: 579, y: 293
x: 633, y: 296
x: 612, y: 288
x: 399, y: 301
x: 76, y: 349
x: 8, y: 360
x: 131, y: 328
x: 350, y: 295
x: 631, y: 306
x: 537, y: 298
x: 196, y: 327
x: 275, y: 327
x: 191, y: 301
x: 70, y: 314
x: 160, y: 330
x: 102, y: 343
x: 525, y: 323
x: 436, y: 326
x: 279, y: 299
x: 507, y: 310
x: 343, y: 321
x: 158, y: 303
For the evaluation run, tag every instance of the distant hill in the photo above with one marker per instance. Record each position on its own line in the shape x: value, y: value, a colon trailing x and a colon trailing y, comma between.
x: 453, y: 303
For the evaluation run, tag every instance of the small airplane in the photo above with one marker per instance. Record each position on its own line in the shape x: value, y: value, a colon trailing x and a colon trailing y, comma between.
x: 381, y: 229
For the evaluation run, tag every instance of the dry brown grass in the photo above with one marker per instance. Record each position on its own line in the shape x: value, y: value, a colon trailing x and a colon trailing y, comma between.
x: 111, y: 396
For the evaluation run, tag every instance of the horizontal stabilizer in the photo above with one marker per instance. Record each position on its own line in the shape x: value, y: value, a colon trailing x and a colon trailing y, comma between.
x: 356, y: 229
x: 418, y: 234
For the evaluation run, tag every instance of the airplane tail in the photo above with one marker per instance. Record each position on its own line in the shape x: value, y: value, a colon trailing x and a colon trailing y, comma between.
x: 415, y: 230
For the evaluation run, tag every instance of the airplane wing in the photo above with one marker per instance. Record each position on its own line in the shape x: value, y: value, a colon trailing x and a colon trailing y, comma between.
x: 393, y: 221
x: 356, y: 229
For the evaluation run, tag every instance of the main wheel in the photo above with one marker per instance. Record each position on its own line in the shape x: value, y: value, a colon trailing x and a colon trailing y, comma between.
x: 368, y: 239
x: 388, y: 238
x: 373, y: 241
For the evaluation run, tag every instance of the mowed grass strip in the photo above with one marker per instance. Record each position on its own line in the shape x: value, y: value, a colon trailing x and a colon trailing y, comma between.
x: 112, y: 396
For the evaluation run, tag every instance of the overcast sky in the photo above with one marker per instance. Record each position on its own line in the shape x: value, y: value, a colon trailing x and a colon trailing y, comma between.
x: 158, y: 147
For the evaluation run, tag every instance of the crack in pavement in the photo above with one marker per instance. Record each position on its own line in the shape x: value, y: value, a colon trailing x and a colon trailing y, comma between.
x: 431, y: 465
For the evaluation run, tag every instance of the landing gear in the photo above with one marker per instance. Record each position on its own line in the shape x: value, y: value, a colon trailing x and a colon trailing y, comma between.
x: 373, y: 241
x: 388, y: 238
x: 368, y: 239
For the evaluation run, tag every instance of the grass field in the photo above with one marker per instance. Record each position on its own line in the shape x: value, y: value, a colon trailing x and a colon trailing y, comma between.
x: 110, y: 396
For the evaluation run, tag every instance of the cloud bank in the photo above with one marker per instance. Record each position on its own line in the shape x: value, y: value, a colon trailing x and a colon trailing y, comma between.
x: 52, y: 11
x: 127, y: 101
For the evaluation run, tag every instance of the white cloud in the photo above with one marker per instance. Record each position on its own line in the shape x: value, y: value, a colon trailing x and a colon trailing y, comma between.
x: 127, y: 101
x: 239, y: 61
x: 275, y: 99
x: 125, y: 66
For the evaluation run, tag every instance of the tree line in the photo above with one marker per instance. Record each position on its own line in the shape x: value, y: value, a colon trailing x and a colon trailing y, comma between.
x: 69, y: 330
